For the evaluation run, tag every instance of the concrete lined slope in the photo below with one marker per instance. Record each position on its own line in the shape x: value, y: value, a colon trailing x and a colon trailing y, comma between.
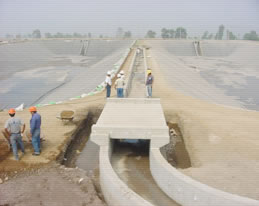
x: 176, y: 47
x: 242, y: 52
x: 188, y: 80
x: 85, y: 81
x: 218, y: 48
x: 50, y: 65
x: 227, y: 73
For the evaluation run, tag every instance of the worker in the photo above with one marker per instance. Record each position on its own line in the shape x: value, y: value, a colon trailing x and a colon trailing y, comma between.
x: 14, y: 128
x: 35, y: 124
x: 122, y: 75
x: 108, y: 83
x: 119, y: 85
x: 149, y: 83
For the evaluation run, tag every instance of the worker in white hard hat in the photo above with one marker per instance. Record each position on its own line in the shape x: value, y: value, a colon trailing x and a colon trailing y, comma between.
x: 119, y: 86
x: 122, y: 75
x: 108, y: 83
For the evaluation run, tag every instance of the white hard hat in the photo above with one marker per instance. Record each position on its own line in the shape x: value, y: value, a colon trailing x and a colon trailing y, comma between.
x: 121, y: 72
x: 108, y: 73
x: 118, y: 75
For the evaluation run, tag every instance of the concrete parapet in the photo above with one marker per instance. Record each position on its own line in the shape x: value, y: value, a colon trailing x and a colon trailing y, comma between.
x: 187, y: 191
x: 130, y: 77
x: 115, y: 191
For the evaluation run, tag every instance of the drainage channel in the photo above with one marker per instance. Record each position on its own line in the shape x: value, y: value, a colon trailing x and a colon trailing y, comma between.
x: 80, y: 147
x: 175, y: 152
x: 131, y: 163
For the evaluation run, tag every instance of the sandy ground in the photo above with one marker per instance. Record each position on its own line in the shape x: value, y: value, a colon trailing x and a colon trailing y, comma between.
x: 222, y: 141
x: 26, y: 189
x: 52, y: 185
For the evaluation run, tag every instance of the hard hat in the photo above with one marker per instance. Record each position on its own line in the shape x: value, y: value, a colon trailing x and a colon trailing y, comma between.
x: 118, y: 75
x: 11, y: 111
x: 108, y: 73
x: 32, y: 109
x: 149, y: 71
x: 122, y: 72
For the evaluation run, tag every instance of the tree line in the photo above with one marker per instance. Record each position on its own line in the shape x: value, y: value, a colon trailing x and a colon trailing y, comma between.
x: 178, y: 33
x: 252, y: 35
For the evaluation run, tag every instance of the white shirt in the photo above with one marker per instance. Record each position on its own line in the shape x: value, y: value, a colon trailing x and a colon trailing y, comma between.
x: 108, y: 80
x: 119, y: 83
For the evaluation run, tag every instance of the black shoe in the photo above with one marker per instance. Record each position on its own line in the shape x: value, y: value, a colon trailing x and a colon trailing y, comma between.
x: 35, y: 154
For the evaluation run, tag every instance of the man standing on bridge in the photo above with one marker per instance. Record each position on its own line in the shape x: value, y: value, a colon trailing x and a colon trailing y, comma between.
x: 35, y: 124
x: 119, y: 85
x: 149, y: 82
x: 108, y: 83
x: 14, y: 128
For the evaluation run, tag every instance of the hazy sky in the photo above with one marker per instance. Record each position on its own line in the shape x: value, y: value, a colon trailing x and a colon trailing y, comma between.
x: 138, y: 16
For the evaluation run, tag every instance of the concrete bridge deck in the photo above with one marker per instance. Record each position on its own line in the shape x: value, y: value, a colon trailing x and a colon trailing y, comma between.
x: 132, y: 118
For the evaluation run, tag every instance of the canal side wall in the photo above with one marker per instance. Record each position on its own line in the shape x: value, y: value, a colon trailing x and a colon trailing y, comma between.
x: 187, y: 191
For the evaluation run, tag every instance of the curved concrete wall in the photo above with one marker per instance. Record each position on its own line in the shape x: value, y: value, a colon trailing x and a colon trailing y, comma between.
x: 187, y: 191
x: 115, y: 191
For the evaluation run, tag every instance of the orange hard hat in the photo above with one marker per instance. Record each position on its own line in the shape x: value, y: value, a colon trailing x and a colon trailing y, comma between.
x: 32, y: 109
x: 11, y: 111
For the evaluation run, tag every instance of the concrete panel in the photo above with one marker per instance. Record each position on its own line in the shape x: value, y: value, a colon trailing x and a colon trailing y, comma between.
x: 187, y: 191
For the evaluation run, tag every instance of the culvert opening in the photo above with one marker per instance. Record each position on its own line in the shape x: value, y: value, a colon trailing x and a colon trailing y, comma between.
x: 175, y: 152
x: 133, y: 147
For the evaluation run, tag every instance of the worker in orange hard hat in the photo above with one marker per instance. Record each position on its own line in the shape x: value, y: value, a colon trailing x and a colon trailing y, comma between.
x: 35, y: 124
x: 14, y: 128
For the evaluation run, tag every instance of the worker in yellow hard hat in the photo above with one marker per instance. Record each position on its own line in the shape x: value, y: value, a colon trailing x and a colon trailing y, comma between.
x: 35, y: 124
x: 14, y: 128
x: 149, y: 83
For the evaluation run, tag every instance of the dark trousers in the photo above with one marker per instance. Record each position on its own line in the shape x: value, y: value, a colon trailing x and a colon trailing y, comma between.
x: 108, y: 90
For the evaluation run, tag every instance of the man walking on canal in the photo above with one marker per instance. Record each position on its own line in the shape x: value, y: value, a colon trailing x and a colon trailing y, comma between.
x: 108, y: 83
x: 35, y: 124
x: 149, y: 82
x: 14, y: 128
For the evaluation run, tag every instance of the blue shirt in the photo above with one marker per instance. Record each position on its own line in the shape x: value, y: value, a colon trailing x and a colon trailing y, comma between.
x: 35, y: 122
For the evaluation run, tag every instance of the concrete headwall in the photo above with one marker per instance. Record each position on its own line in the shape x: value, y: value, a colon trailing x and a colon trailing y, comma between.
x: 187, y: 191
